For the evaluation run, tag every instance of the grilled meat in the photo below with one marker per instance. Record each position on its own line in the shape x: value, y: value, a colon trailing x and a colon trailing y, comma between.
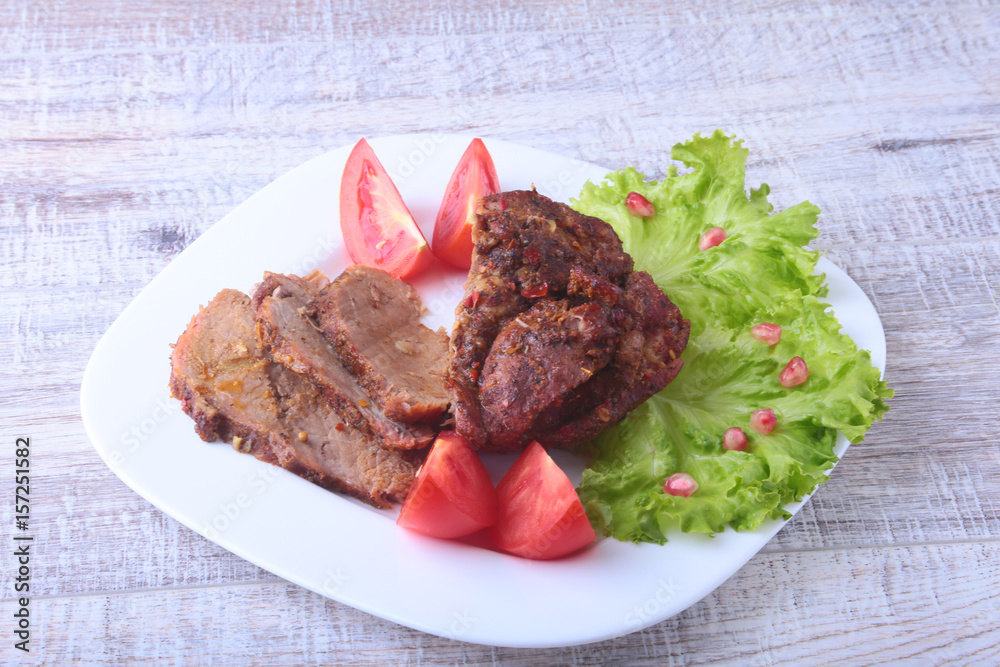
x: 233, y: 390
x: 557, y: 337
x: 652, y: 336
x: 537, y: 361
x: 373, y: 322
x: 293, y: 339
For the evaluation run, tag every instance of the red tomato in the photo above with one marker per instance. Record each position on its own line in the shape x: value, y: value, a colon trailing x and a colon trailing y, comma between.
x: 377, y: 227
x: 541, y: 516
x: 474, y: 177
x: 452, y: 494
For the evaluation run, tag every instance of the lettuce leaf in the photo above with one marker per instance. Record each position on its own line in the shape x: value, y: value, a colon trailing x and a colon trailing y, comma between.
x: 761, y: 273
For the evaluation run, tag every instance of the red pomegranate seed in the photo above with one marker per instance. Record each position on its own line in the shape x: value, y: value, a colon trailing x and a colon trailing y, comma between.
x: 734, y: 439
x: 639, y: 205
x: 766, y: 332
x: 680, y: 484
x: 713, y: 237
x: 763, y: 421
x: 795, y: 373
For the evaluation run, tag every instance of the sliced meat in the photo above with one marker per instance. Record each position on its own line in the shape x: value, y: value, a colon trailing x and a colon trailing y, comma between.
x: 653, y: 334
x: 538, y: 359
x: 525, y: 247
x: 293, y: 339
x: 373, y: 321
x: 529, y: 249
x: 234, y: 392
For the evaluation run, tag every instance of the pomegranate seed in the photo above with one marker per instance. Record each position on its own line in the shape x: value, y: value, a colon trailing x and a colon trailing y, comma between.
x: 680, y: 484
x: 766, y: 332
x: 713, y: 237
x: 734, y: 439
x: 795, y: 373
x: 763, y: 421
x: 639, y: 205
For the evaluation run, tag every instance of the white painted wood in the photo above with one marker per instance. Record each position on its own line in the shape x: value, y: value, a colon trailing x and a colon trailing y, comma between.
x: 127, y: 129
x: 932, y: 604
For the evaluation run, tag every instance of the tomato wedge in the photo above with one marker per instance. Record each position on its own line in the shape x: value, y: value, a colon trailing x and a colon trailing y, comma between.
x: 474, y: 177
x: 452, y: 495
x: 377, y: 227
x: 541, y: 516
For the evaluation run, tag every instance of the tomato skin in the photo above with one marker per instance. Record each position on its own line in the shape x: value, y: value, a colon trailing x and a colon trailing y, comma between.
x: 377, y: 227
x: 541, y: 516
x: 452, y: 495
x: 474, y: 177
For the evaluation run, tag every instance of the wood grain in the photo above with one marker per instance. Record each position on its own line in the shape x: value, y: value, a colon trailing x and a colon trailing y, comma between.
x: 126, y: 130
x: 932, y: 604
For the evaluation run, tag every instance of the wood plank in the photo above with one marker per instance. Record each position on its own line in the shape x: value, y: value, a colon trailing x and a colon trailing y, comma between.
x: 934, y: 604
x: 103, y: 26
x: 96, y: 534
x: 901, y: 165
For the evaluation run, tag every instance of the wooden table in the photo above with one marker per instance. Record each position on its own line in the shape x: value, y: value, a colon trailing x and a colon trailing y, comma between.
x: 127, y: 129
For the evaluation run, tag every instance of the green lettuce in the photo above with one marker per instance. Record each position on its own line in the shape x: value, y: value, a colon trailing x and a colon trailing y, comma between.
x: 761, y: 273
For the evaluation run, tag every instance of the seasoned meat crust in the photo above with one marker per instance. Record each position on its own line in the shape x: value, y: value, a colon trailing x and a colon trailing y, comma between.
x: 538, y: 359
x: 232, y: 389
x: 653, y: 335
x: 293, y: 339
x: 557, y: 338
x: 373, y: 322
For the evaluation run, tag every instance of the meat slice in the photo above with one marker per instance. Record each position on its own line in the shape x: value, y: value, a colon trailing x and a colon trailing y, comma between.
x: 293, y: 339
x: 538, y: 359
x: 373, y: 321
x: 525, y: 247
x: 234, y: 392
x: 517, y: 371
x: 653, y: 335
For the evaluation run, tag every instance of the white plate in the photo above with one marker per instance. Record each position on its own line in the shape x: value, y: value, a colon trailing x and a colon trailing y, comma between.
x: 338, y: 547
